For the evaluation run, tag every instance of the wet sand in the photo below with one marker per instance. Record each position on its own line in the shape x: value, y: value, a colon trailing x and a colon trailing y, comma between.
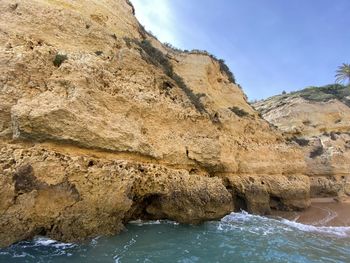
x: 322, y: 212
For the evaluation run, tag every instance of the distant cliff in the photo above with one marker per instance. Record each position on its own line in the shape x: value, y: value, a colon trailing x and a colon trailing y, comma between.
x: 100, y: 124
x: 318, y: 119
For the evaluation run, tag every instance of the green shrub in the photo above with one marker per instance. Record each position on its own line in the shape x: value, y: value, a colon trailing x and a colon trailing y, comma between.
x: 326, y: 93
x: 225, y: 69
x: 195, y: 100
x: 170, y: 46
x: 149, y: 32
x: 59, y: 59
x: 301, y: 141
x: 128, y: 41
x: 132, y: 6
x: 156, y: 57
x: 238, y: 111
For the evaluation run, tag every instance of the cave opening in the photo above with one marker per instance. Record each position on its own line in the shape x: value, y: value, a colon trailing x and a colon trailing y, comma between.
x: 240, y: 203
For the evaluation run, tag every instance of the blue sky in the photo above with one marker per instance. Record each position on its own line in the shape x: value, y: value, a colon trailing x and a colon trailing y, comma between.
x: 270, y: 45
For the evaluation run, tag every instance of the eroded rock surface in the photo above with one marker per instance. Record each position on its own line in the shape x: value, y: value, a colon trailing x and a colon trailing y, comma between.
x: 70, y: 196
x: 101, y: 124
x: 321, y: 127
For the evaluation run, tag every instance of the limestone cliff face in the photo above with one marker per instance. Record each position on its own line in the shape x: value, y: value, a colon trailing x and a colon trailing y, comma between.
x: 101, y: 124
x: 322, y: 129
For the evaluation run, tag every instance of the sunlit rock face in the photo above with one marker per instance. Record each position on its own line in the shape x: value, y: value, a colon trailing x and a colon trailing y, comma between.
x: 101, y: 124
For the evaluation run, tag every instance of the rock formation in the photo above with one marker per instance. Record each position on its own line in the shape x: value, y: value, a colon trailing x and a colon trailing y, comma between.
x: 317, y: 119
x: 101, y: 124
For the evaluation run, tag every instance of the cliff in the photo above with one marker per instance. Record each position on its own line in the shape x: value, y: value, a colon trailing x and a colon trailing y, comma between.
x: 317, y: 119
x: 101, y: 124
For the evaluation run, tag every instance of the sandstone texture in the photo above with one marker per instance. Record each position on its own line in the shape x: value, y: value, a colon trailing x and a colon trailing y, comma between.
x: 101, y: 124
x: 322, y: 129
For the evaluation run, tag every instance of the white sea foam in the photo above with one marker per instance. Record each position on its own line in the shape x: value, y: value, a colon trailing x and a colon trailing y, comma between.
x: 265, y: 226
x: 340, y: 231
x: 140, y: 222
x: 22, y: 255
x: 43, y: 241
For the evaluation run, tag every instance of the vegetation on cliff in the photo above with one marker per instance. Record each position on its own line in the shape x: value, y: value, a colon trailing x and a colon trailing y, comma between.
x: 337, y: 91
x: 326, y: 93
x: 321, y: 94
x: 223, y: 66
x: 157, y: 58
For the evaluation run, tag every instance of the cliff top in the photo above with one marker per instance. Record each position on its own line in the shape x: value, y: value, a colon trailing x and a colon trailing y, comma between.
x: 315, y: 94
x: 310, y: 111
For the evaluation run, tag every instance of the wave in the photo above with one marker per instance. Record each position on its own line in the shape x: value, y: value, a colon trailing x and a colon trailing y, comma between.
x: 47, y: 242
x: 341, y: 231
x: 266, y: 225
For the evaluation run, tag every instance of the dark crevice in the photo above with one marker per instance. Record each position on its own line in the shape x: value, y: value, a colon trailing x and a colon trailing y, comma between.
x: 239, y: 200
x: 316, y: 152
x: 193, y: 171
x: 14, y: 6
x: 215, y: 118
x: 276, y: 203
x: 240, y: 203
x: 142, y: 206
x: 42, y: 231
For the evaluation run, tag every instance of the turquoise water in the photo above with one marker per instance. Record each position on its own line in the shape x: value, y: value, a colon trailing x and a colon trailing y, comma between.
x: 238, y: 237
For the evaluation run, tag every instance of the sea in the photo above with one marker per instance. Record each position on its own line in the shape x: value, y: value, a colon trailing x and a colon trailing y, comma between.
x: 238, y: 237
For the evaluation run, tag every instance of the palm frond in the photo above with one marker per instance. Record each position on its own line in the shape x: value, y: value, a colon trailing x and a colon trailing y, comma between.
x: 342, y: 73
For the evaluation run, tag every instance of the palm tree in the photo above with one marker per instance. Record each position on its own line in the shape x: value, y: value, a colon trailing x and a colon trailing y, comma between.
x: 343, y: 73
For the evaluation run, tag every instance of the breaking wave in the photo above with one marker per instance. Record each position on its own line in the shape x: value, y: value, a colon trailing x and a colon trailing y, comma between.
x: 266, y: 225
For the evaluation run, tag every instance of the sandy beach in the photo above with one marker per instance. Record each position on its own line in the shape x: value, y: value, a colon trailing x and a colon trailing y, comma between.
x: 322, y: 212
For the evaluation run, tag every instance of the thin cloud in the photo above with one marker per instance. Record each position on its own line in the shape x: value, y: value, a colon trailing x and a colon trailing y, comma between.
x: 157, y: 17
